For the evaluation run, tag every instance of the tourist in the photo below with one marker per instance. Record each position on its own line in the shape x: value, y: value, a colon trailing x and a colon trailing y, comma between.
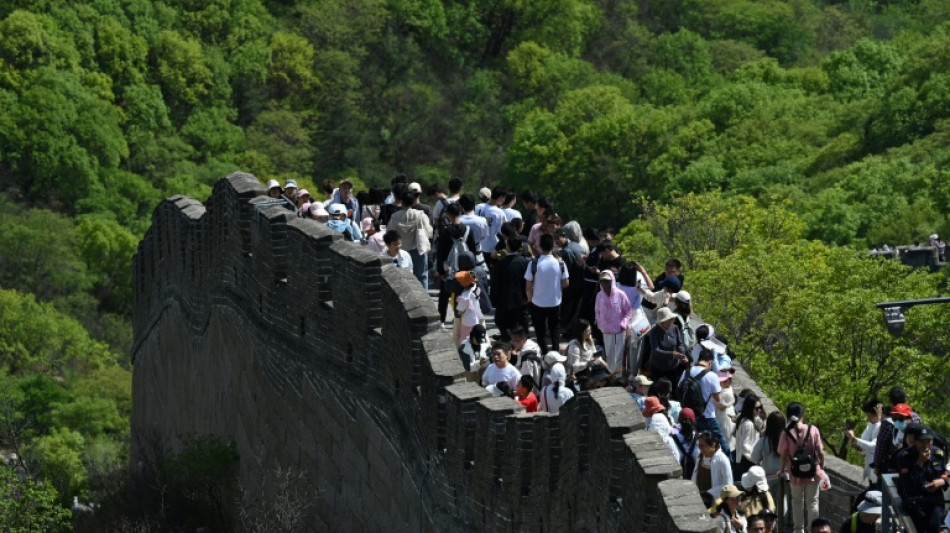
x: 394, y: 250
x: 500, y: 369
x: 820, y: 525
x: 686, y: 441
x: 729, y: 519
x: 707, y: 401
x: 613, y: 314
x: 663, y: 389
x: 494, y: 218
x: 641, y: 387
x: 866, y: 443
x: 667, y: 352
x: 344, y: 195
x: 580, y: 349
x: 529, y: 360
x: 557, y: 393
x: 341, y: 224
x: 508, y: 294
x: 803, y: 459
x: 476, y: 223
x: 453, y: 239
x: 869, y: 512
x: 475, y: 351
x: 467, y: 308
x: 372, y: 237
x: 765, y: 452
x: 713, y: 471
x: 757, y: 496
x: 572, y: 255
x: 525, y: 393
x: 414, y: 229
x: 320, y: 213
x: 658, y: 421
x: 545, y: 278
x: 725, y: 410
x: 747, y: 433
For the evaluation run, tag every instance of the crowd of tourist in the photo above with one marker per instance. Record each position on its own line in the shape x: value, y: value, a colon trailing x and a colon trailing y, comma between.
x: 573, y: 315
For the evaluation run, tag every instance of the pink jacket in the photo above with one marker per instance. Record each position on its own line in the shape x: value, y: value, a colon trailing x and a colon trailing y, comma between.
x: 613, y: 313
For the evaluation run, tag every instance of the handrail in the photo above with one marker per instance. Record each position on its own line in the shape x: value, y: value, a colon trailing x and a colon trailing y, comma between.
x: 894, y: 519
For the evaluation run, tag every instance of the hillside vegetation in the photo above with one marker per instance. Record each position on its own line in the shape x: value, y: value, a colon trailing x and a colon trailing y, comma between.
x: 810, y: 129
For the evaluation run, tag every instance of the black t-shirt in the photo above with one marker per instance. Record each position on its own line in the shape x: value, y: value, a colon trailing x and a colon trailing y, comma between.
x: 616, y: 263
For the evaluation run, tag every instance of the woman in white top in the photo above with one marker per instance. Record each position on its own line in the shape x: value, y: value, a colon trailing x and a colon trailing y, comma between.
x: 868, y: 441
x: 557, y: 393
x: 581, y: 348
x: 713, y: 470
x: 746, y: 433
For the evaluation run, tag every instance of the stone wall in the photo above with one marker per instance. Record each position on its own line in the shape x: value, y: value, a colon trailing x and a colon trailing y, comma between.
x: 312, y: 353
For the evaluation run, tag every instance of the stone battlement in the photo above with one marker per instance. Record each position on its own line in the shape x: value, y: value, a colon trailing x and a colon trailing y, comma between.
x: 313, y: 353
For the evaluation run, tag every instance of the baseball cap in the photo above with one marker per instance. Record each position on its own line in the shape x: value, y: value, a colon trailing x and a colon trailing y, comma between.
x: 272, y: 183
x: 415, y: 187
x: 337, y: 209
x: 871, y: 503
x: 901, y: 409
x: 291, y: 183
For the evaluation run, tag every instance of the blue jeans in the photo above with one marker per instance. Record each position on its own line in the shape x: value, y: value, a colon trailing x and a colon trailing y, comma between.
x: 420, y: 267
x: 712, y: 425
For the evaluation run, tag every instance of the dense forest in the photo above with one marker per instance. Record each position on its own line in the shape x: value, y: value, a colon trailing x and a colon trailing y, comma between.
x: 764, y: 142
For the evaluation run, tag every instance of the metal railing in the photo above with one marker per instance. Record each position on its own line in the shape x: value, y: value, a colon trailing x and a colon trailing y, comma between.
x: 894, y: 519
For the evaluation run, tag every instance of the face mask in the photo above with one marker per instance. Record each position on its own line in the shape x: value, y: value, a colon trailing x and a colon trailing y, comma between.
x: 900, y: 424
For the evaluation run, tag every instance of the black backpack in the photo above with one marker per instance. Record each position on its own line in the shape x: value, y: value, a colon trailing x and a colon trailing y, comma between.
x: 803, y: 460
x: 443, y: 219
x: 687, y: 461
x: 690, y: 392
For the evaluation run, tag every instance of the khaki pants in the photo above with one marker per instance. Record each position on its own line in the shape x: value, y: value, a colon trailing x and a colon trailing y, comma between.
x: 803, y: 498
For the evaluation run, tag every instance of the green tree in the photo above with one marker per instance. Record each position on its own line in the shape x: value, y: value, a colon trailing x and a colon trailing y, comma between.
x: 34, y: 337
x: 60, y: 458
x: 29, y: 506
x: 179, y: 65
x: 695, y: 224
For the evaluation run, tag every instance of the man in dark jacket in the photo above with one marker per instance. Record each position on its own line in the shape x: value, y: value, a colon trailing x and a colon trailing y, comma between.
x: 508, y: 289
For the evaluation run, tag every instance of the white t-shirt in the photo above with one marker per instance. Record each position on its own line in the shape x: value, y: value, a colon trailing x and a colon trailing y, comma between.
x: 709, y: 385
x: 403, y: 260
x: 494, y: 217
x: 547, y: 281
x: 512, y: 214
x: 551, y: 402
x: 509, y: 374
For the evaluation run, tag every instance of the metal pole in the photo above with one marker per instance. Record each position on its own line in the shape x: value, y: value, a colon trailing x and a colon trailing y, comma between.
x: 910, y: 303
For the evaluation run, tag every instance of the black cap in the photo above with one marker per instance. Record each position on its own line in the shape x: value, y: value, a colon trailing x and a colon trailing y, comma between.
x: 925, y: 433
x: 913, y: 428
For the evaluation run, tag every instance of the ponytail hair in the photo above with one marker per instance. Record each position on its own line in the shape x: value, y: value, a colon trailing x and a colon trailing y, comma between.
x: 795, y: 412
